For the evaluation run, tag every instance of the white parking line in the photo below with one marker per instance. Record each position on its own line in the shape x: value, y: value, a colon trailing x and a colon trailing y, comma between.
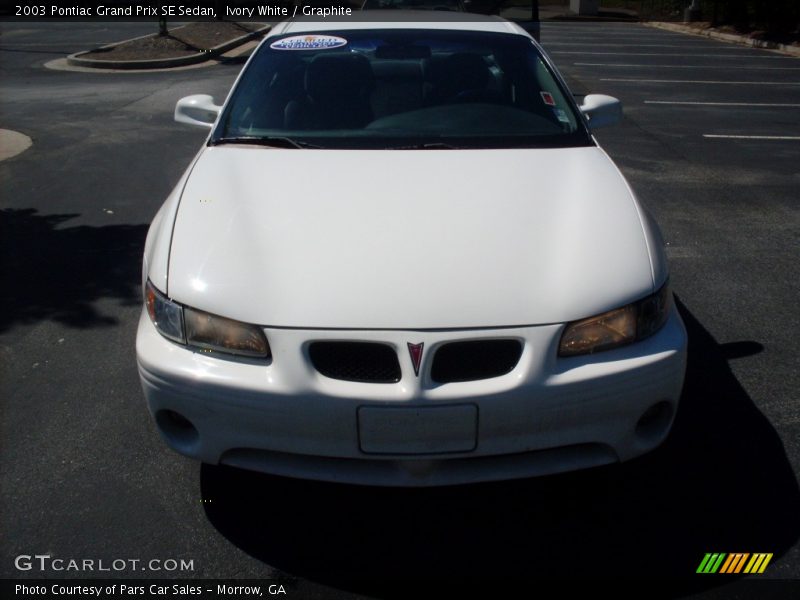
x: 739, y: 67
x: 685, y: 46
x: 686, y: 103
x: 607, y: 31
x: 666, y: 54
x: 622, y: 36
x: 793, y: 138
x: 621, y: 80
x: 12, y: 45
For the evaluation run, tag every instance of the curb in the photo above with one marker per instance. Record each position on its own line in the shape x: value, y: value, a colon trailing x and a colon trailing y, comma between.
x: 727, y: 37
x: 161, y: 63
x: 523, y: 14
x: 591, y: 19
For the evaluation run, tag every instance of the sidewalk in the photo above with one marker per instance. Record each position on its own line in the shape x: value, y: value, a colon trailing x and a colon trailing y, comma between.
x: 556, y: 12
x: 791, y: 49
x: 186, y: 45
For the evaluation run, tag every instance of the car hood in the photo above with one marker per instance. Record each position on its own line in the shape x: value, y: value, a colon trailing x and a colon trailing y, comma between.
x: 407, y: 239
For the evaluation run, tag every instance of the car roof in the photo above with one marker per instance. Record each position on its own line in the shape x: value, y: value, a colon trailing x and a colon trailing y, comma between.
x: 400, y: 19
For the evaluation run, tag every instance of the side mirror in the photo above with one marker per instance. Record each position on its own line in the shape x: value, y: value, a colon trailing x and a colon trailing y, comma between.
x: 198, y: 110
x: 601, y: 110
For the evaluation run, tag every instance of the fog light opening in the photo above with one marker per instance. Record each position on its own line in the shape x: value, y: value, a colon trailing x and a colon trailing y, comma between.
x: 655, y: 421
x: 177, y: 429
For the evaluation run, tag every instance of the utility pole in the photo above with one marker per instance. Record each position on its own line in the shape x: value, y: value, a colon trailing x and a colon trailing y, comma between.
x: 693, y: 13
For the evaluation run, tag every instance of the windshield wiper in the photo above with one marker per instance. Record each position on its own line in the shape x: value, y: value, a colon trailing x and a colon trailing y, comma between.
x: 427, y: 146
x: 270, y: 141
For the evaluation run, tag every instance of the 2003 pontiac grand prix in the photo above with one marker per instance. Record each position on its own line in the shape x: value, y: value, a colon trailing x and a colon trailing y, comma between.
x: 401, y: 258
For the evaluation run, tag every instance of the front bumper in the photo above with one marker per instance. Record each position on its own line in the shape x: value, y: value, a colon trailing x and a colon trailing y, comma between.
x: 548, y: 415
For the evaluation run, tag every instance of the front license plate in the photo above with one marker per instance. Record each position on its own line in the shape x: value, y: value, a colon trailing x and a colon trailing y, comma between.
x: 418, y: 430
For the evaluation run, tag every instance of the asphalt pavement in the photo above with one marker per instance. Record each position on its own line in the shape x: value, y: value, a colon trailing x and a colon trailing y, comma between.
x: 711, y: 145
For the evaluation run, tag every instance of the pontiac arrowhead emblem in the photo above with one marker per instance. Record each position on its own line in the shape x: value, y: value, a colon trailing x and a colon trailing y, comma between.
x: 415, y: 350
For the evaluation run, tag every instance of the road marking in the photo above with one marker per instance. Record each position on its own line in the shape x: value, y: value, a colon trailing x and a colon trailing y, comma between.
x: 608, y: 30
x: 686, y: 103
x: 13, y: 143
x: 700, y: 46
x: 667, y: 54
x: 794, y: 138
x: 740, y: 67
x: 622, y: 36
x: 701, y: 81
x: 11, y: 46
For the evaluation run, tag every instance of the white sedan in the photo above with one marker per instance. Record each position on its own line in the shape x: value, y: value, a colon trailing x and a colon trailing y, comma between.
x: 401, y: 258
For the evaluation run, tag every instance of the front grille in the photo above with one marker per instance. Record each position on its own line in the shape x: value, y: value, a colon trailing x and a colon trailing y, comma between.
x: 476, y: 359
x: 367, y: 362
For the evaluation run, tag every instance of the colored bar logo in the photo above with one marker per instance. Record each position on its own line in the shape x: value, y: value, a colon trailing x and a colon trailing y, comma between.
x: 736, y: 562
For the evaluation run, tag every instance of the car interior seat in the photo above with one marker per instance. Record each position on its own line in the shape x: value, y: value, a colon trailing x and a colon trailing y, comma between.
x: 337, y: 94
x: 461, y: 77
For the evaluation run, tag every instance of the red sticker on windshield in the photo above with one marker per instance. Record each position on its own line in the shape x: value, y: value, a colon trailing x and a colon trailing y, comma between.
x: 547, y: 97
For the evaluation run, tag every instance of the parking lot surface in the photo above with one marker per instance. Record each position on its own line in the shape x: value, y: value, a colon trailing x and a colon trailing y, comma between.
x: 711, y: 145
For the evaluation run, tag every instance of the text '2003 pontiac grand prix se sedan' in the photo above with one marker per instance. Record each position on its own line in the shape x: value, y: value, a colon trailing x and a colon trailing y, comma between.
x: 401, y: 258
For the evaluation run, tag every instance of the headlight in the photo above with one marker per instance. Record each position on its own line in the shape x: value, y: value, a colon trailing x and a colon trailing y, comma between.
x: 186, y: 325
x: 617, y: 327
x: 218, y: 333
x: 165, y: 315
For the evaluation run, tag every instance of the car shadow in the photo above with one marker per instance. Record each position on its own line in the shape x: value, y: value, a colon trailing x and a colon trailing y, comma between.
x: 53, y: 271
x: 720, y: 483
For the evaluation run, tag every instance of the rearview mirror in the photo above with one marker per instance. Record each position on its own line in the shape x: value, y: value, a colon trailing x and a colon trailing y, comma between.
x: 601, y: 110
x: 198, y: 110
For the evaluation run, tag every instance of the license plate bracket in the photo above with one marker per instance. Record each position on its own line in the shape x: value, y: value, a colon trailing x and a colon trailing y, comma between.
x: 418, y: 429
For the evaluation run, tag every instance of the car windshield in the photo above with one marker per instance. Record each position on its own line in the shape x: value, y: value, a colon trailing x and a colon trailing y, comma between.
x: 401, y: 88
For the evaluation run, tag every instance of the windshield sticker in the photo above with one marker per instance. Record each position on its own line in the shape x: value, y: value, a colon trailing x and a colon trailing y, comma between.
x: 309, y: 42
x: 547, y: 97
x: 561, y: 115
